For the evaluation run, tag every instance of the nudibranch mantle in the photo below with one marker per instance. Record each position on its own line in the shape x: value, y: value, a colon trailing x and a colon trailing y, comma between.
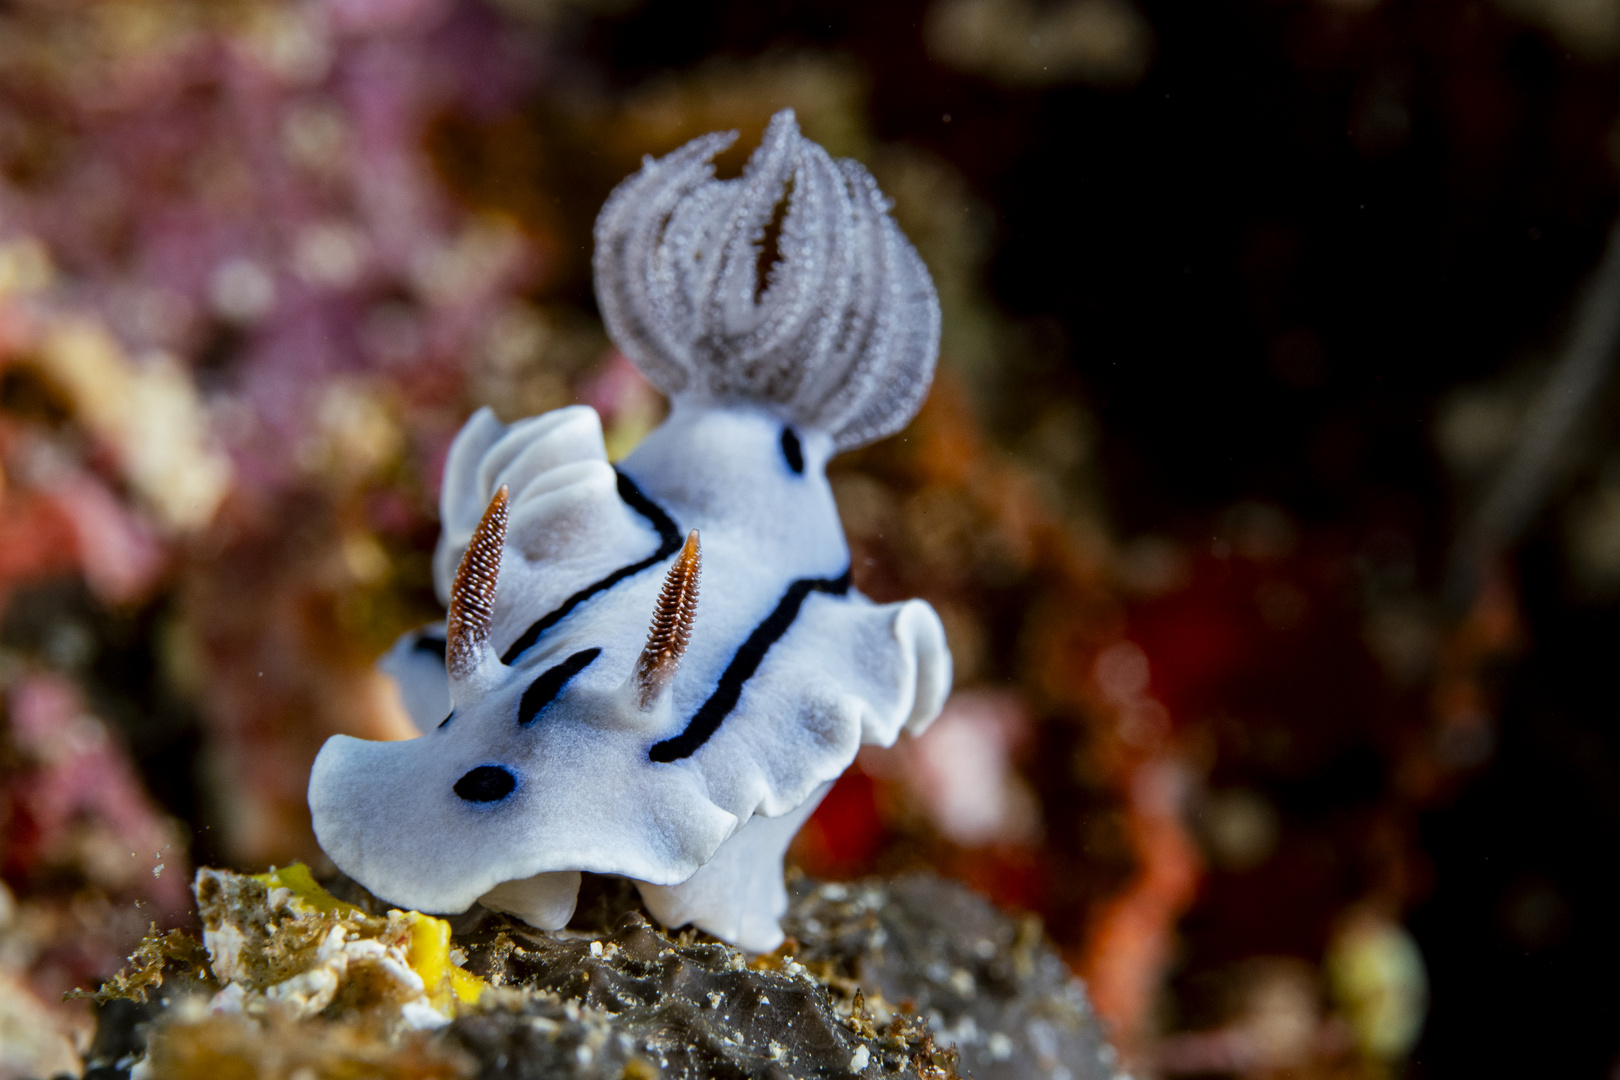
x: 557, y: 742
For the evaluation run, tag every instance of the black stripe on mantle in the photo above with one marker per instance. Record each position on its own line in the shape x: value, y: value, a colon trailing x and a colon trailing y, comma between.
x: 706, y: 721
x: 669, y: 542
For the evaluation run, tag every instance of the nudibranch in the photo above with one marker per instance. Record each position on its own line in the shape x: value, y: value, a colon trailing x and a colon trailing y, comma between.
x: 559, y: 734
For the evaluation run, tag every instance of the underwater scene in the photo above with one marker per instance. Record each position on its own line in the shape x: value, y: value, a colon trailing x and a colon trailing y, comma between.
x: 632, y: 539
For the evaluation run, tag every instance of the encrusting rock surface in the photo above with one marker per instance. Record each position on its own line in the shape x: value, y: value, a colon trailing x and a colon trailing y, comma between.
x: 919, y: 978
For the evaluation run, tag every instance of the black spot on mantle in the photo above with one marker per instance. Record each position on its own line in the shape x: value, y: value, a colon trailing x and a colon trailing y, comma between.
x: 486, y: 784
x: 792, y: 450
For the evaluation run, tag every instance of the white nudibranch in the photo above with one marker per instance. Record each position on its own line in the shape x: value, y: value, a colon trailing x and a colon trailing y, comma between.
x: 559, y: 734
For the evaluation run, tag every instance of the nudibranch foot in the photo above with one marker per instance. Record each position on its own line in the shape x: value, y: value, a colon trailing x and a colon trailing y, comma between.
x: 738, y: 895
x: 545, y: 901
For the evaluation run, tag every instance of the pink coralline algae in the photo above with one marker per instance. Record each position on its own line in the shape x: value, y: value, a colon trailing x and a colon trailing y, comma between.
x: 248, y: 196
x: 228, y: 260
x: 232, y: 294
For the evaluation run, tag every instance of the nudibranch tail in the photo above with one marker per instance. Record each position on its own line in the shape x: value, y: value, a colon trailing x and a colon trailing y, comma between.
x: 472, y: 597
x: 671, y: 625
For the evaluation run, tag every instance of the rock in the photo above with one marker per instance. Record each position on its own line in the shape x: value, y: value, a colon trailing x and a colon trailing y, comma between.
x: 636, y: 999
x: 988, y: 983
x: 919, y: 979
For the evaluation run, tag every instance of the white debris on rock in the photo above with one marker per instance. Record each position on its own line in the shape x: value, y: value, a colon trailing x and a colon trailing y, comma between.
x: 242, y: 936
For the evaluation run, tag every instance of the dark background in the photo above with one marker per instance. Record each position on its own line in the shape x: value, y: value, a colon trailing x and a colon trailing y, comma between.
x: 1269, y: 263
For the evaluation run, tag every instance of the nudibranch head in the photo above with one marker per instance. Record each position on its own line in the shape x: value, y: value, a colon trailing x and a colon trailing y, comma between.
x: 560, y: 732
x: 458, y: 801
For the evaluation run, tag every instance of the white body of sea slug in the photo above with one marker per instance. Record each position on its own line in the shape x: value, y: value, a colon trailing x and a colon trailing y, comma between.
x: 558, y: 734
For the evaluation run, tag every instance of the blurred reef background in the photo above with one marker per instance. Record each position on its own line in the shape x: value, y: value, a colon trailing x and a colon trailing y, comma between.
x: 1269, y: 488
